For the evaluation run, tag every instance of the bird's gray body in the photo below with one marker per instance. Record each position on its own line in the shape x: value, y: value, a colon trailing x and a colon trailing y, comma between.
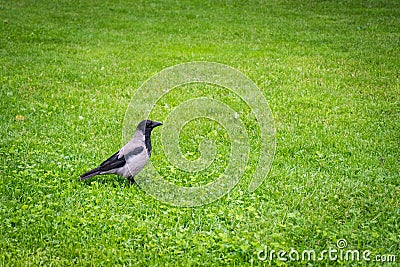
x: 131, y: 158
x: 136, y: 156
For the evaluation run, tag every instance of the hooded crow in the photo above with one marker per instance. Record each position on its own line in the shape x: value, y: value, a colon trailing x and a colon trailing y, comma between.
x: 131, y: 158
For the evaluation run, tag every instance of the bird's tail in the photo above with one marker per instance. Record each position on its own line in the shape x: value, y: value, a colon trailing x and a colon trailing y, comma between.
x: 91, y: 173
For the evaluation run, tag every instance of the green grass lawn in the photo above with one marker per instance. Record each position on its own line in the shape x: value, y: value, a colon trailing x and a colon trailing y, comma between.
x: 328, y: 69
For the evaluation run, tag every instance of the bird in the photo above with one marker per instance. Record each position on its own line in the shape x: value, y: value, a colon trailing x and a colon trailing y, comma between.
x: 131, y: 158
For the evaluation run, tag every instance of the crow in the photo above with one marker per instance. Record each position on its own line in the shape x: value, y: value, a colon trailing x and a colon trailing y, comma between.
x: 131, y: 158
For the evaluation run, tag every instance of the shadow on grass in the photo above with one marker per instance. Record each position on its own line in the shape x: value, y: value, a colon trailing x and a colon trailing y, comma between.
x: 110, y: 180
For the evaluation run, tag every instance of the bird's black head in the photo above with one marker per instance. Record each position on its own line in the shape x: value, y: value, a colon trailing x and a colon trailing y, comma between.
x: 152, y: 124
x: 147, y: 126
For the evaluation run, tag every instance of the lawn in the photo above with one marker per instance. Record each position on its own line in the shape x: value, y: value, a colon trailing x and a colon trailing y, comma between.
x: 329, y: 71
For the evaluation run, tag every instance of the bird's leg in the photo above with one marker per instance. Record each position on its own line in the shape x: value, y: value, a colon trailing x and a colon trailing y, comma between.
x: 131, y: 179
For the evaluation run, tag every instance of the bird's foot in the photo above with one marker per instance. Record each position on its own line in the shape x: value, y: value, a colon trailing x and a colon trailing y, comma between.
x: 131, y: 180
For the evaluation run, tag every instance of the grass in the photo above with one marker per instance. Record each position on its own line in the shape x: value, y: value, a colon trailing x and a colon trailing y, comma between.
x: 329, y: 71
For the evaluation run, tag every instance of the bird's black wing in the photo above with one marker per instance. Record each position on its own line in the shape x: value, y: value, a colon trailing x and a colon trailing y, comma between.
x: 134, y: 152
x: 112, y: 162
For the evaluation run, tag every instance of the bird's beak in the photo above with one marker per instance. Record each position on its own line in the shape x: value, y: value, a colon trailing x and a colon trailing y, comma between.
x: 156, y: 123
